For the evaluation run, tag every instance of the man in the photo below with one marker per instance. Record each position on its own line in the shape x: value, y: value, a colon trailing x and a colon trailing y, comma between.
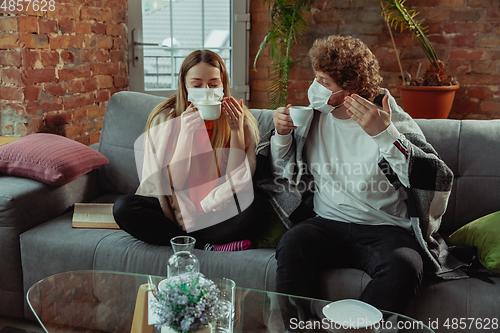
x: 358, y: 186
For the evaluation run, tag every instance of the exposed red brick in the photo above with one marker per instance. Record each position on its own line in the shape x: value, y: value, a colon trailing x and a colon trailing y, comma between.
x: 83, y: 28
x: 465, y: 106
x: 9, y: 40
x: 93, y: 13
x: 119, y: 16
x: 57, y: 119
x: 67, y: 56
x: 105, y: 69
x: 11, y: 93
x: 96, y: 111
x: 28, y: 24
x: 117, y: 55
x: 75, y: 86
x: 104, y: 42
x: 71, y: 131
x: 479, y: 93
x: 120, y: 81
x: 99, y: 28
x: 41, y: 75
x: 90, y: 84
x: 94, y: 138
x: 65, y: 11
x: 50, y: 58
x: 31, y: 57
x: 466, y: 54
x: 102, y: 96
x: 464, y: 41
x: 35, y: 41
x: 47, y: 26
x: 67, y: 26
x: 102, y: 55
x: 8, y: 23
x: 18, y: 108
x: 79, y: 115
x: 105, y: 81
x: 84, y: 139
x: 10, y: 58
x: 66, y: 42
x: 70, y: 73
x: 32, y: 92
x: 119, y: 43
x: 55, y: 89
x: 90, y: 42
x: 116, y: 30
x: 465, y: 15
x: 489, y: 106
x: 12, y: 76
x: 78, y: 100
x: 489, y: 4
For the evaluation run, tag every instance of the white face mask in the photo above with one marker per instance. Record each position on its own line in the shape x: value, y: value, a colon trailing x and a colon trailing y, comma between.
x: 319, y: 96
x: 196, y: 95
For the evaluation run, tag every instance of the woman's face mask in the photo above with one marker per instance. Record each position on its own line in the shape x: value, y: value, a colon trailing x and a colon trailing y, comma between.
x: 319, y: 96
x: 196, y: 95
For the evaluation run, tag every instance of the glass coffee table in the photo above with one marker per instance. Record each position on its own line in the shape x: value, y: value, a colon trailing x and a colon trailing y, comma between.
x: 103, y: 301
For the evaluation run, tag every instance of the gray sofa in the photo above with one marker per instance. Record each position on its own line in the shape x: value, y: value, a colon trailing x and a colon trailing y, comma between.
x: 37, y: 240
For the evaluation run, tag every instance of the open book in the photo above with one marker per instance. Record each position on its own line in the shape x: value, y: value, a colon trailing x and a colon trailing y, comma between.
x: 94, y: 215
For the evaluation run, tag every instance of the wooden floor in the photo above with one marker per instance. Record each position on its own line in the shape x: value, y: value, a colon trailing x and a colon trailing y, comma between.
x: 20, y: 323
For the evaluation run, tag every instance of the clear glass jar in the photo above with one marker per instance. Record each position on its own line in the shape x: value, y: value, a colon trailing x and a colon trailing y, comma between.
x: 183, y: 260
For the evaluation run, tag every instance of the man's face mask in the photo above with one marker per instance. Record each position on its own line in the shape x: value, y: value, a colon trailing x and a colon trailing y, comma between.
x: 197, y: 95
x: 319, y: 96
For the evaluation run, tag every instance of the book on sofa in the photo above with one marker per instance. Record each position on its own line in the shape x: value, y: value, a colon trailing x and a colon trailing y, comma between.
x: 94, y: 215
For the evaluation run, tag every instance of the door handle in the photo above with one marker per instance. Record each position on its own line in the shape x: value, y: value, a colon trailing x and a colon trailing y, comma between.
x: 134, y: 44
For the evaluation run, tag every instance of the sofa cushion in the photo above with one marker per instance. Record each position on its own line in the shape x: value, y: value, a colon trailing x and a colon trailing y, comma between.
x: 49, y: 158
x: 484, y: 233
x: 118, y: 136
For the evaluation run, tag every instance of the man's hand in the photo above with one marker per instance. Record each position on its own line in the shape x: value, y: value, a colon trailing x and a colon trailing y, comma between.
x: 369, y: 116
x: 282, y: 121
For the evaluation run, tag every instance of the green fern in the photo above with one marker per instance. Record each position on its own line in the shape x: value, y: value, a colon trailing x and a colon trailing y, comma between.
x: 398, y: 16
x: 287, y: 24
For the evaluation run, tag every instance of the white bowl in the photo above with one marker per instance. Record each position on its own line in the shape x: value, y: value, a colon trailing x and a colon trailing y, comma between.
x: 209, y: 110
x: 350, y: 315
x: 300, y: 114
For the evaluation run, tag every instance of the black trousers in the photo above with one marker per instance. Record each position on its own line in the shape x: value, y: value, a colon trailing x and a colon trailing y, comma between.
x: 143, y: 218
x: 389, y: 254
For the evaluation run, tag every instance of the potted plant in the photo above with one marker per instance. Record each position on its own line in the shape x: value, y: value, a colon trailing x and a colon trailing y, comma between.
x: 434, y: 92
x: 287, y: 24
x: 187, y: 303
x: 429, y: 96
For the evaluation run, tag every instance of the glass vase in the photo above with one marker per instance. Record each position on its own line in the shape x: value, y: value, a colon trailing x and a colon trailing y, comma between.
x: 183, y: 260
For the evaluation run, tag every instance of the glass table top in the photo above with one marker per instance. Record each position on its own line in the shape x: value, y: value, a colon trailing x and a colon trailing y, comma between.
x: 103, y: 301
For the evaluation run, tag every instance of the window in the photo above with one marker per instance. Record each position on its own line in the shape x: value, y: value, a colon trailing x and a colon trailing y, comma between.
x: 166, y: 31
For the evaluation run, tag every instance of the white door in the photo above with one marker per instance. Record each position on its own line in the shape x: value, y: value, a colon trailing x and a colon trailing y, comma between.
x: 163, y: 32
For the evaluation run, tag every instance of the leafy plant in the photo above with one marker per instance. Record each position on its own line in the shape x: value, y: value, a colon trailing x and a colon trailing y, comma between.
x: 188, y: 303
x: 396, y: 15
x: 287, y: 24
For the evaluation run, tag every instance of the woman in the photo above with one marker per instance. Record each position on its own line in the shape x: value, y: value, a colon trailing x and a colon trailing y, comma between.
x: 193, y: 168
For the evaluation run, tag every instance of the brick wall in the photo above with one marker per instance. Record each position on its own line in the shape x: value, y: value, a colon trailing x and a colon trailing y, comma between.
x: 464, y: 33
x: 59, y: 67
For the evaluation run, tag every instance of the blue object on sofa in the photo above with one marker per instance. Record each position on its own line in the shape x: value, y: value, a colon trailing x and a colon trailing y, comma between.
x: 37, y: 240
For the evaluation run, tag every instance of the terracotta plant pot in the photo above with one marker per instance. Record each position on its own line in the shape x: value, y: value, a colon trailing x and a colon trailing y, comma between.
x: 428, y: 102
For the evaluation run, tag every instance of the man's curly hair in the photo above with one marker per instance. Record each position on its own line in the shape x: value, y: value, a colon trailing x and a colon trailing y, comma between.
x: 349, y: 62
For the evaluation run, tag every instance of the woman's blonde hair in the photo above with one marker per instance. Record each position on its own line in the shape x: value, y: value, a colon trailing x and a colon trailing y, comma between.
x: 349, y: 62
x: 177, y: 104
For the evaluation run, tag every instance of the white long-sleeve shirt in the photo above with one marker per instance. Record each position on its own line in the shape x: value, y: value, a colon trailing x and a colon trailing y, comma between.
x: 349, y: 184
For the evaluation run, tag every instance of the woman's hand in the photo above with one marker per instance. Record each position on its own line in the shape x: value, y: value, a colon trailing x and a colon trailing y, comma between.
x: 282, y: 120
x: 190, y: 120
x: 234, y: 113
x: 369, y: 116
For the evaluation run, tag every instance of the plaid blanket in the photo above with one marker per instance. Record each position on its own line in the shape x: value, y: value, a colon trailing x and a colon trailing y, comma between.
x: 430, y: 186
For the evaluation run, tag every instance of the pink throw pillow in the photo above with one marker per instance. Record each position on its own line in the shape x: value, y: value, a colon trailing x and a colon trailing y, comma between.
x: 49, y: 158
